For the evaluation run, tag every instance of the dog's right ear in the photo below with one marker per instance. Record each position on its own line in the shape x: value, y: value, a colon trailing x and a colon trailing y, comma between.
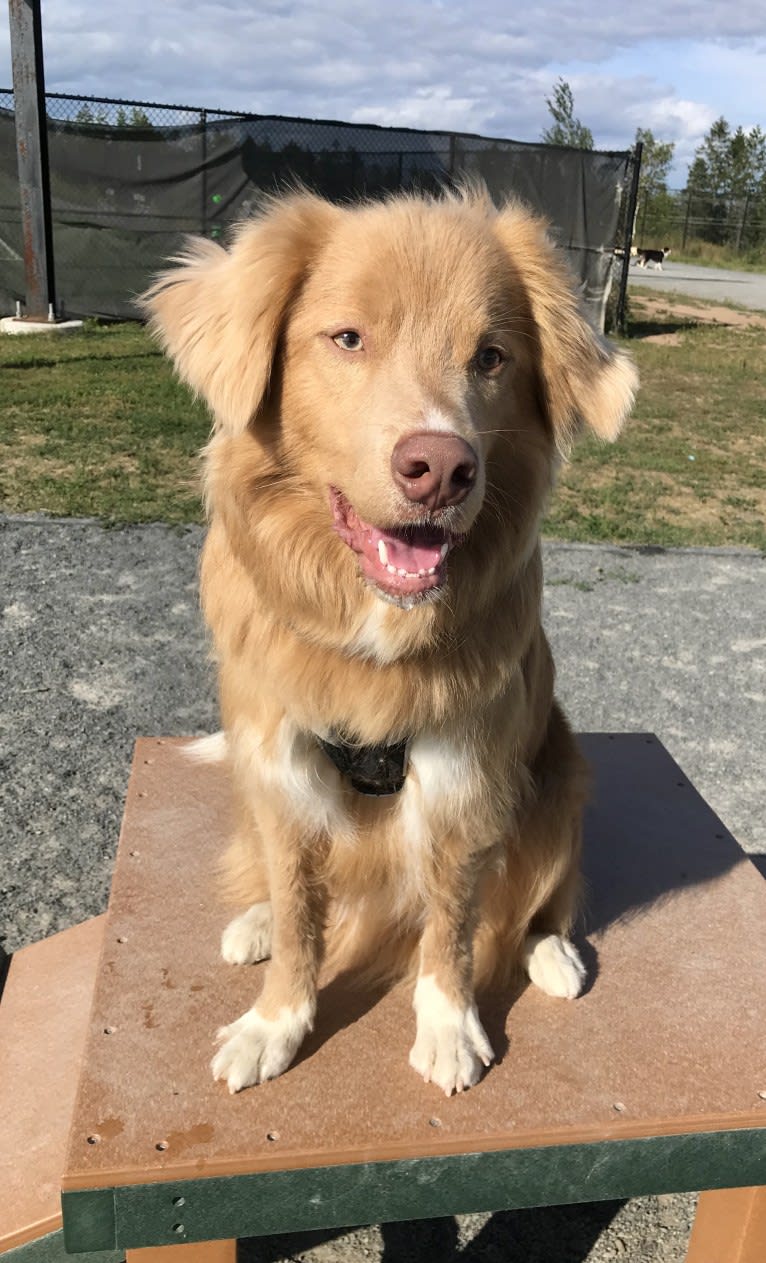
x: 219, y: 312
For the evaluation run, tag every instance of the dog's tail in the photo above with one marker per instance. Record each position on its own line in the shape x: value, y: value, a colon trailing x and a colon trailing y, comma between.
x: 210, y: 749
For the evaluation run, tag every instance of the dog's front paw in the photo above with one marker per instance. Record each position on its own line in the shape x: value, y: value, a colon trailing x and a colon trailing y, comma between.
x: 554, y: 965
x: 256, y: 1048
x: 247, y: 938
x: 451, y: 1047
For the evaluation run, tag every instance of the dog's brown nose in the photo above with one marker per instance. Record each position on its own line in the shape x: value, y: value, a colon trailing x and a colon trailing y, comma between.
x: 434, y: 469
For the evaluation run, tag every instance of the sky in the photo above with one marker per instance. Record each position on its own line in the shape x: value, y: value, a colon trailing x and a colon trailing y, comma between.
x: 487, y: 67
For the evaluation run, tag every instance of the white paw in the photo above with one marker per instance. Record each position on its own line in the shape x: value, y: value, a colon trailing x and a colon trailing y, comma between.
x: 256, y: 1048
x: 451, y: 1048
x: 247, y: 938
x: 553, y: 965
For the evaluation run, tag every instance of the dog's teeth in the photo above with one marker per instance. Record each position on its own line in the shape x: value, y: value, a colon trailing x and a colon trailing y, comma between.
x: 403, y: 573
x: 391, y: 569
x: 382, y: 552
x: 431, y: 570
x: 443, y: 552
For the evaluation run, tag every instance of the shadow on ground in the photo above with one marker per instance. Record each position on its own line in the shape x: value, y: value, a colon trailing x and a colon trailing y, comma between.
x: 557, y: 1234
x: 651, y: 328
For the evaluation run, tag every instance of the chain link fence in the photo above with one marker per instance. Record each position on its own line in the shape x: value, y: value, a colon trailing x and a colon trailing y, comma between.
x: 680, y: 218
x: 129, y: 179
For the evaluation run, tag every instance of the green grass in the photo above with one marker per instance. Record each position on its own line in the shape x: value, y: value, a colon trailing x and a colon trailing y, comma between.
x: 95, y: 424
x: 705, y: 254
x: 690, y: 467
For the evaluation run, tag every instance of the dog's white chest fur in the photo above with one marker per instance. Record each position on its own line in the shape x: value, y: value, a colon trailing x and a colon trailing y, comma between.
x: 438, y: 780
x: 441, y: 777
x: 294, y: 764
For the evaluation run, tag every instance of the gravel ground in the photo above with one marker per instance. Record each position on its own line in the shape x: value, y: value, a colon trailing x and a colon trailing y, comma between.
x: 102, y: 641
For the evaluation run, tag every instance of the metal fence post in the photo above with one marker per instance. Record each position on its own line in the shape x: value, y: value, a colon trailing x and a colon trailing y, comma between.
x: 686, y: 221
x: 203, y: 125
x: 742, y: 223
x: 32, y: 152
x: 630, y: 214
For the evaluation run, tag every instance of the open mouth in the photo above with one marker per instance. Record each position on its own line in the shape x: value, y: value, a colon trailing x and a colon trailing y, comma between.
x: 402, y: 562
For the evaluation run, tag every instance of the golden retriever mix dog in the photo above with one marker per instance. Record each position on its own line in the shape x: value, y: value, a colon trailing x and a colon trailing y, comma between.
x: 391, y: 384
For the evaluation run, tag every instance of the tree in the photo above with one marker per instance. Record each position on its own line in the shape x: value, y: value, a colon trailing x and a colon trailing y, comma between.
x: 86, y: 115
x: 712, y: 161
x: 136, y: 118
x: 698, y: 177
x: 729, y: 164
x: 729, y: 172
x: 566, y: 129
x: 756, y: 148
x: 655, y: 163
x: 655, y: 203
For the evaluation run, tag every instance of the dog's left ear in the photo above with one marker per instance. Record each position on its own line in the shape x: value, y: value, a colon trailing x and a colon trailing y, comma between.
x: 584, y: 378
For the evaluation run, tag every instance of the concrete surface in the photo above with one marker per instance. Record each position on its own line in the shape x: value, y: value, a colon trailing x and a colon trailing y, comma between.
x: 748, y: 289
x: 101, y: 641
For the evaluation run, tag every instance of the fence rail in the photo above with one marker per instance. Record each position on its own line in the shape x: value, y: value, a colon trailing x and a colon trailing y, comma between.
x: 130, y: 178
x: 680, y: 217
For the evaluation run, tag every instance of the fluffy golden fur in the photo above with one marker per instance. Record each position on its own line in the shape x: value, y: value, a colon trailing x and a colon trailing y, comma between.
x: 321, y: 338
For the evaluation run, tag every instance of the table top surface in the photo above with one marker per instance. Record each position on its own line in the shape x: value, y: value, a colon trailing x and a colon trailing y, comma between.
x: 667, y: 1039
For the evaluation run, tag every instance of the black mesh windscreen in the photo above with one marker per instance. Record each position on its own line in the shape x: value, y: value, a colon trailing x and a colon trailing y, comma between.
x: 129, y: 181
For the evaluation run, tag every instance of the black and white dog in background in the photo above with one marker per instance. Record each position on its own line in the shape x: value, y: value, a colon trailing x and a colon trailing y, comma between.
x: 644, y: 257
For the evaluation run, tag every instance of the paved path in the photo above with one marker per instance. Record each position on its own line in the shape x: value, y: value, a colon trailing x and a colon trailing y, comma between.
x: 100, y: 640
x: 748, y: 289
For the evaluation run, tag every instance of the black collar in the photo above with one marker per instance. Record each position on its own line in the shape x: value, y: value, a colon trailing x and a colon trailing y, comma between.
x: 373, y: 770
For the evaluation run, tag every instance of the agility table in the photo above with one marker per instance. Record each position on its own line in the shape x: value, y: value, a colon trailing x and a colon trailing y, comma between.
x: 653, y: 1081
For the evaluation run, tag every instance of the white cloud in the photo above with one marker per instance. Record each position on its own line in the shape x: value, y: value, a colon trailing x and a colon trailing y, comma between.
x: 683, y: 122
x: 434, y: 107
x: 446, y: 64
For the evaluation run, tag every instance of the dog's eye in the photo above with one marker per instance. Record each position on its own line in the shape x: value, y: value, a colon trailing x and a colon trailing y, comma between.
x: 349, y: 340
x: 489, y: 359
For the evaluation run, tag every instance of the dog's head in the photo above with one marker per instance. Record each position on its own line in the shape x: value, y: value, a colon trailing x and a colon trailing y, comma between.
x: 412, y: 365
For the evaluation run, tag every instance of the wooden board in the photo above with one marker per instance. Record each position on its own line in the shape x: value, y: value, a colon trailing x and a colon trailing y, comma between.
x: 667, y: 1041
x: 43, y: 1022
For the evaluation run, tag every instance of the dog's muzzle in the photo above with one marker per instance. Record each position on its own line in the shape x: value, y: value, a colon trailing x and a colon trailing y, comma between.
x: 376, y: 771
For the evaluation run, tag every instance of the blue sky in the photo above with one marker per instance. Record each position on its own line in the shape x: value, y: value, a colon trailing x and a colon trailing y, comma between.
x: 673, y: 67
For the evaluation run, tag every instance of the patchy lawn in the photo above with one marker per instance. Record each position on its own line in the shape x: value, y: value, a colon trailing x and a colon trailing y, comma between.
x: 95, y: 424
x: 690, y: 467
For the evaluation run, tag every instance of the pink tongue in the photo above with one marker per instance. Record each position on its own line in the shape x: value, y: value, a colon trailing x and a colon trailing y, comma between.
x: 405, y: 554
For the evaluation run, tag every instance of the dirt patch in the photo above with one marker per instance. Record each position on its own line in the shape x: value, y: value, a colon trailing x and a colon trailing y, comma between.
x: 698, y: 314
x: 665, y: 339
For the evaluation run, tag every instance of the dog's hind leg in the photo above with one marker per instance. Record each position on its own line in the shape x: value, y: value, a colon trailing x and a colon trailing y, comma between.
x: 245, y: 879
x: 551, y: 961
x: 247, y: 938
x: 553, y: 832
x: 553, y: 964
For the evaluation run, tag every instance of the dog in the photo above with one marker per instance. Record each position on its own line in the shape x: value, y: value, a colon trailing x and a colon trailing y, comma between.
x: 657, y: 257
x: 392, y: 386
